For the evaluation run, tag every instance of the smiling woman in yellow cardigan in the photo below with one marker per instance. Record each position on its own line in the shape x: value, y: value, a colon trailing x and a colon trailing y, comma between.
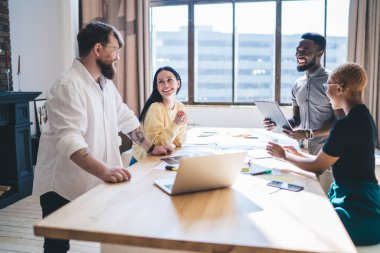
x: 163, y: 117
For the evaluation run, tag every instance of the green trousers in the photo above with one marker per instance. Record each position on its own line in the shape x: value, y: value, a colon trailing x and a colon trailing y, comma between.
x: 358, y: 206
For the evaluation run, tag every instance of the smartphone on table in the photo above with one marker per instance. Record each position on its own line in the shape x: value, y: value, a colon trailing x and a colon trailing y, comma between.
x: 286, y: 186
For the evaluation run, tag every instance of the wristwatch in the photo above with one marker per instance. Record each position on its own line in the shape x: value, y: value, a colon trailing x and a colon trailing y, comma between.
x: 309, y: 134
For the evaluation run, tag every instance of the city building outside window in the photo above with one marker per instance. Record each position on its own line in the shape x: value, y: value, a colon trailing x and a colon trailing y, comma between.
x: 236, y: 52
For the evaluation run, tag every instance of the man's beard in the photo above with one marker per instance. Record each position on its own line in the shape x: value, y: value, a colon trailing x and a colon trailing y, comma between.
x: 307, y: 66
x: 106, y: 69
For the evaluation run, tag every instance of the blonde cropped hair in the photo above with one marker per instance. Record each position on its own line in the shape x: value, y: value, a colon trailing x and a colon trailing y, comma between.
x: 350, y: 75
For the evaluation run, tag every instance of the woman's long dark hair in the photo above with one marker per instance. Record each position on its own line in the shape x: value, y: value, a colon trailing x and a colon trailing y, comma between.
x: 156, y: 96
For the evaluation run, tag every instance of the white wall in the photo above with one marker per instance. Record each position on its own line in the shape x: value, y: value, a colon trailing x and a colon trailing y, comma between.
x: 43, y: 34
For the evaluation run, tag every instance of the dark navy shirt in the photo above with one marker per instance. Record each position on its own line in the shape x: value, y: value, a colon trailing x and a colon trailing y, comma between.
x: 353, y: 140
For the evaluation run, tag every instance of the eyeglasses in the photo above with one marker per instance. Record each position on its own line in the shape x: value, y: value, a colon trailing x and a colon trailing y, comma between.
x: 327, y: 85
x: 115, y: 49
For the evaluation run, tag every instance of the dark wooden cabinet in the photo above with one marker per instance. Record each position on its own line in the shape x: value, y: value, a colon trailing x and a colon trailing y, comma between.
x: 16, y: 167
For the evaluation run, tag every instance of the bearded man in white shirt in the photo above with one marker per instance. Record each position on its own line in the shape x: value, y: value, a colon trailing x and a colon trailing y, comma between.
x: 80, y: 147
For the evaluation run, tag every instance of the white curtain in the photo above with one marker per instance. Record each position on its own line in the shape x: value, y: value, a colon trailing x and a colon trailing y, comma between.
x: 364, y: 49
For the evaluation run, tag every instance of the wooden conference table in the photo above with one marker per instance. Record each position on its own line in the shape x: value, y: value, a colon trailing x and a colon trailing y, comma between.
x: 248, y: 217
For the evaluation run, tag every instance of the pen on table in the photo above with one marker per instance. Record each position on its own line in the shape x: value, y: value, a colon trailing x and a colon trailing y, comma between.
x: 246, y: 136
x: 247, y: 170
x: 250, y: 137
x: 262, y: 173
x: 172, y: 168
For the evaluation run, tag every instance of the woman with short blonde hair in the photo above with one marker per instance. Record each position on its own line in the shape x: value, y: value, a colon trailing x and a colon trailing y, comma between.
x: 349, y: 149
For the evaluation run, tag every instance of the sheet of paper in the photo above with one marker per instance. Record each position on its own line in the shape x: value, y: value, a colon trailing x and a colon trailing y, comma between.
x: 259, y: 154
x: 255, y: 169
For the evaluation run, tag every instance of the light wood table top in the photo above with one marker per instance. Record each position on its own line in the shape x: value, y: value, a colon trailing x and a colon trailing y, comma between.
x: 248, y: 217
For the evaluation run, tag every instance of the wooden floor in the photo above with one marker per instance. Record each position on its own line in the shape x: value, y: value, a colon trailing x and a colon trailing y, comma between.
x: 16, y: 229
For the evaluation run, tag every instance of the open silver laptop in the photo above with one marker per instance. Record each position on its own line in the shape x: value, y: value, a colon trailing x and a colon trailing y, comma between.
x: 204, y: 173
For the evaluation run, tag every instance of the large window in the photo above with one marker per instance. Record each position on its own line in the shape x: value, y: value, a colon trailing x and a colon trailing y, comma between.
x: 235, y: 52
x: 169, y: 42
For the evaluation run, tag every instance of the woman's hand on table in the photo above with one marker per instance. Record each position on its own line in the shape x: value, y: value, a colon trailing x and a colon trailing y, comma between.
x: 276, y: 150
x: 162, y: 150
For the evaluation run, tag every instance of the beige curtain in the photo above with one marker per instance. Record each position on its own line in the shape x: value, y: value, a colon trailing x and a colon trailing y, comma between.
x: 364, y: 49
x: 131, y: 18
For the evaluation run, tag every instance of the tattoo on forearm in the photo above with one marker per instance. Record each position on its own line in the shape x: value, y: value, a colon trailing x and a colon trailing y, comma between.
x: 137, y: 135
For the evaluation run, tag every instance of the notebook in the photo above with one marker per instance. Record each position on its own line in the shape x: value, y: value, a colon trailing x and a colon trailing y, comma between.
x: 202, y: 173
x: 271, y: 110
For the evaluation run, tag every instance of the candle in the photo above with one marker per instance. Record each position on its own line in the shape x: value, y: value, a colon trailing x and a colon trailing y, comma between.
x: 7, y: 61
x: 18, y: 66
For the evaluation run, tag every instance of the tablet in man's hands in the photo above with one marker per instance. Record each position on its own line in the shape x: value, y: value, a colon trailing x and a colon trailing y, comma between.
x: 271, y: 110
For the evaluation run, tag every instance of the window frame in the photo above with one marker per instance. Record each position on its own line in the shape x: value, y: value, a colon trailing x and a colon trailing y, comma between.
x: 191, y: 42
